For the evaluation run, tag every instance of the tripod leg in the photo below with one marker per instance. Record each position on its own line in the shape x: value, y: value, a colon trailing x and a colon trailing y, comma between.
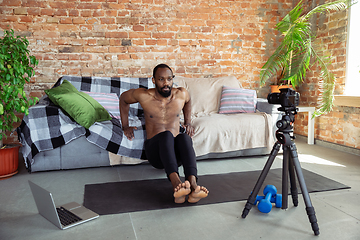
x: 285, y: 177
x: 293, y: 188
x: 252, y: 198
x: 309, y: 208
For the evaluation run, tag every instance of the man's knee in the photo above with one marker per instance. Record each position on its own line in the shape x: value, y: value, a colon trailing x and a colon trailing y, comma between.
x: 183, y: 139
x: 165, y: 139
x: 166, y: 135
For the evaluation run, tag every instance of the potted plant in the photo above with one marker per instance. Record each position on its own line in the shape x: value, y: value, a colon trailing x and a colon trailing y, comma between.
x: 279, y: 82
x: 299, y: 50
x: 16, y: 69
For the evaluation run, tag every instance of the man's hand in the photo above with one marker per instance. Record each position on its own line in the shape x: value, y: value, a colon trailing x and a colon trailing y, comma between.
x: 189, y: 129
x: 129, y: 132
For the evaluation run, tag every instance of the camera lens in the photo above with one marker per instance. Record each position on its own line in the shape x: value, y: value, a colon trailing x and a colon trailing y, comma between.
x: 273, y: 98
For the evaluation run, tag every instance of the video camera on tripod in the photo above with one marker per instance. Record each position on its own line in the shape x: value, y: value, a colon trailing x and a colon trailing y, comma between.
x: 289, y: 99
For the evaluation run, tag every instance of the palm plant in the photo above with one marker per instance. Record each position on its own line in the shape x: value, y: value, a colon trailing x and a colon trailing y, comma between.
x: 299, y: 50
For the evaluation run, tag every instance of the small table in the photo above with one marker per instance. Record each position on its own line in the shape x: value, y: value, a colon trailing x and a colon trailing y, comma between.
x: 311, y: 122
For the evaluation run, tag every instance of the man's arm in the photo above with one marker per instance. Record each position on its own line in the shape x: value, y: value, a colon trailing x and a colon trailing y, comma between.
x: 126, y: 99
x: 187, y: 114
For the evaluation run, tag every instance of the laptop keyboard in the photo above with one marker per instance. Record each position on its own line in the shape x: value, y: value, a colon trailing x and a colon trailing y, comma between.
x: 66, y: 217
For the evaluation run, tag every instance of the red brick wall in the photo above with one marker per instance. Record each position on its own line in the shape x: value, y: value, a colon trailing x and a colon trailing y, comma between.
x: 129, y: 37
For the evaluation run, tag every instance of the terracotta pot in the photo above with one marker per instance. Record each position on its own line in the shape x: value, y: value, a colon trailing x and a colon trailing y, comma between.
x: 276, y: 88
x: 9, y: 160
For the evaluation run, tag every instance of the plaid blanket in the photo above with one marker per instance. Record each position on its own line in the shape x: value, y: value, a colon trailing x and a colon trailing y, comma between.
x: 48, y: 127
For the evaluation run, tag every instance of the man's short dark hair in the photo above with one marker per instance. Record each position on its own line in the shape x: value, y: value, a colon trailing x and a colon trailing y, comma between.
x: 162, y: 65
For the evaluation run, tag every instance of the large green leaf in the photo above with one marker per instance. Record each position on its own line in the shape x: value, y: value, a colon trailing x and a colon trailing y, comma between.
x: 338, y: 5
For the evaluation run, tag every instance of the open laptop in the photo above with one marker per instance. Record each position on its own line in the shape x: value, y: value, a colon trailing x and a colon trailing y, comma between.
x: 65, y: 216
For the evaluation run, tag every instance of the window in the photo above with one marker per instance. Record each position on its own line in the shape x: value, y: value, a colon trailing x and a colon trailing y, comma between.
x: 352, y: 85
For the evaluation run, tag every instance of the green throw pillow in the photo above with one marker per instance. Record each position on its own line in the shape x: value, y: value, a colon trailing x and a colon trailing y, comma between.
x: 80, y: 106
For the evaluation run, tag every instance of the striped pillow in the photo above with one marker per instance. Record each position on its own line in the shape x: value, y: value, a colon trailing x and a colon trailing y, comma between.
x: 237, y: 100
x: 110, y: 101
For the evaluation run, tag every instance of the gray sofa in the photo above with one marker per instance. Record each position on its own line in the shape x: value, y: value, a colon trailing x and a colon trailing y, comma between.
x: 82, y: 149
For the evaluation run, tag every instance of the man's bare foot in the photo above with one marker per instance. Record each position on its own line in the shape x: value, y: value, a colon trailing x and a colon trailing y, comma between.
x: 181, y: 191
x: 199, y: 193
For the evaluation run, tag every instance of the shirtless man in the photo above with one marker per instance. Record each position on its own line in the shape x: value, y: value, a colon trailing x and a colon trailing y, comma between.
x: 165, y: 147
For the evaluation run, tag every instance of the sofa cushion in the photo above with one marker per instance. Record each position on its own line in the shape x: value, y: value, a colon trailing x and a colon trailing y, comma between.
x: 110, y: 101
x: 205, y: 93
x: 237, y: 100
x: 80, y: 106
x: 217, y: 133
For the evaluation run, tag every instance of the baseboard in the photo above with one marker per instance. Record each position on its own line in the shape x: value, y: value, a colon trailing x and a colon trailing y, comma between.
x: 335, y: 146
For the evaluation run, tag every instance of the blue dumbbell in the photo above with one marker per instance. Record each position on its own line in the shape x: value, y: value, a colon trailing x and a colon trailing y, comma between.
x: 265, y: 202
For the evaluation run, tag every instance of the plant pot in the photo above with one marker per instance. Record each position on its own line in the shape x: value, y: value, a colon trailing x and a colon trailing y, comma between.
x: 276, y: 88
x: 9, y: 160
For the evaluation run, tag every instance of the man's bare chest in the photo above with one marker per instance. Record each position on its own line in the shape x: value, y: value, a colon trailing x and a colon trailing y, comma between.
x: 163, y: 109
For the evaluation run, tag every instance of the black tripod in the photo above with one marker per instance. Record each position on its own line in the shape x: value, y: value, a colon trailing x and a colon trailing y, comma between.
x: 290, y: 165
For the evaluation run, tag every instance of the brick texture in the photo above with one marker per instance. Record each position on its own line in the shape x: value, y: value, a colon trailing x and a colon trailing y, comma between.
x: 196, y: 38
x: 342, y: 125
x: 128, y: 38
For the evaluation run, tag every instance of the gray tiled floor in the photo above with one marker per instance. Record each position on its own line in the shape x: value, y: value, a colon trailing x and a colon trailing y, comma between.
x: 338, y: 212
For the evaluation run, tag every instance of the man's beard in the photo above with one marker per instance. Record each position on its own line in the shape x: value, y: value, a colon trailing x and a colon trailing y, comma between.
x: 163, y: 93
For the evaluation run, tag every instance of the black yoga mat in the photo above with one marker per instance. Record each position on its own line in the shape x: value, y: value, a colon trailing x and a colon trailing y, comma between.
x: 132, y: 196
